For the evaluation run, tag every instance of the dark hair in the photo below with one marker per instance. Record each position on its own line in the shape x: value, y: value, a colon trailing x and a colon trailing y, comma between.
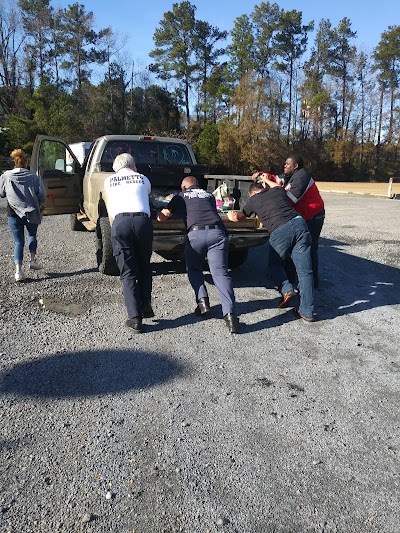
x: 256, y: 187
x: 297, y: 158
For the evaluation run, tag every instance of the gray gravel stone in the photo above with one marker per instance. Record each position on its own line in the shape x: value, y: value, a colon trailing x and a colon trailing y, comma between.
x: 284, y: 427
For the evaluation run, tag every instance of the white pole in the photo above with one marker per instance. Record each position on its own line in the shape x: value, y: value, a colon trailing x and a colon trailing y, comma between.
x: 390, y: 188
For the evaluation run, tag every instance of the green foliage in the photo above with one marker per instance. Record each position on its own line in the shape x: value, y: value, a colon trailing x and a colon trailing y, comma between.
x: 55, y: 113
x: 19, y: 132
x: 266, y: 20
x: 153, y: 110
x: 207, y: 145
x: 81, y: 44
x: 341, y: 108
x: 387, y: 55
x: 242, y: 48
x: 174, y: 40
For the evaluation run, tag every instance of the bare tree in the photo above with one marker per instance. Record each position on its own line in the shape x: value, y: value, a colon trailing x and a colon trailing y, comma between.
x: 12, y: 41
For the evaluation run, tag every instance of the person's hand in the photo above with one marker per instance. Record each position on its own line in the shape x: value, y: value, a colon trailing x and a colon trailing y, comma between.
x: 232, y: 215
x: 261, y: 176
x: 163, y: 215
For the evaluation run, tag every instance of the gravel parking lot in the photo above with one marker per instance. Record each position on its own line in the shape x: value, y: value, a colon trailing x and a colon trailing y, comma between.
x: 287, y: 427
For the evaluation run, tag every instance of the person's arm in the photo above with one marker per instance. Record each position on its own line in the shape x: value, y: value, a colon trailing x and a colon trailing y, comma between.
x: 262, y: 176
x: 298, y: 185
x: 164, y: 215
x: 236, y: 216
x: 270, y: 183
x: 172, y: 207
x: 267, y: 178
x: 256, y: 175
x: 41, y: 192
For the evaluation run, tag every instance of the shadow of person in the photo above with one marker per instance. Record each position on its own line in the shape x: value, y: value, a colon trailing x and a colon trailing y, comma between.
x: 254, y: 271
x: 274, y: 322
x: 349, y: 283
x: 353, y: 284
x: 71, y: 273
x: 162, y: 268
x: 188, y: 319
x: 89, y: 373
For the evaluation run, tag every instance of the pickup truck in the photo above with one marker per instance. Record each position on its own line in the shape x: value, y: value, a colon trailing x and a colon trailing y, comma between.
x: 77, y: 189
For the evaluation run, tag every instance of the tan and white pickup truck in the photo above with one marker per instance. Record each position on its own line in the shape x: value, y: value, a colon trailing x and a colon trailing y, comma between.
x: 77, y: 189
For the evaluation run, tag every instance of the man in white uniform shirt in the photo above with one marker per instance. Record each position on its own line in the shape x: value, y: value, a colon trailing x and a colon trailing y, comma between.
x: 131, y: 236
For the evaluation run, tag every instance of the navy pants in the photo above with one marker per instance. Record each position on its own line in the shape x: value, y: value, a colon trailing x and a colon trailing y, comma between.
x: 132, y: 239
x: 212, y: 244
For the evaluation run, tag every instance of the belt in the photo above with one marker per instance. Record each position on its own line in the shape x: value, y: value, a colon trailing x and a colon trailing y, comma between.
x: 208, y: 226
x: 135, y: 214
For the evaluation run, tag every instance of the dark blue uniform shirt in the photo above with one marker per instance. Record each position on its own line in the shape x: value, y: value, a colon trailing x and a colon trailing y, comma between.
x: 198, y: 206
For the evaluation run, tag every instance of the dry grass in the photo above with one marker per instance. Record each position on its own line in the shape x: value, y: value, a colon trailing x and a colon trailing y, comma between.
x: 378, y: 189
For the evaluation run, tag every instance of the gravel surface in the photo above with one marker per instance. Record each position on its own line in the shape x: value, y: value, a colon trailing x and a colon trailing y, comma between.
x: 287, y: 427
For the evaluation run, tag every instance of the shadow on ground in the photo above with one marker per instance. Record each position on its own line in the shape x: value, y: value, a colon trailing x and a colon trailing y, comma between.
x: 352, y: 284
x: 349, y: 284
x: 70, y: 274
x: 77, y: 374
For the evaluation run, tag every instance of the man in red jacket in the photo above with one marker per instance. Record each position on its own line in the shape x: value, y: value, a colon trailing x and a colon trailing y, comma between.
x: 306, y: 199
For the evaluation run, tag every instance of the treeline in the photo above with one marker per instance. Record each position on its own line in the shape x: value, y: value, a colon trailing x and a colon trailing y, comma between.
x: 243, y: 106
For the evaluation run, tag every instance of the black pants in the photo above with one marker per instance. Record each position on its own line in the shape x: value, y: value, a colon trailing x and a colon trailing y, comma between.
x: 314, y: 225
x: 132, y: 238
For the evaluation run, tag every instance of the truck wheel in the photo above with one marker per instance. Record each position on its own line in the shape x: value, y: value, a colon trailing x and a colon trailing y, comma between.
x: 104, y: 255
x: 237, y: 257
x: 76, y: 224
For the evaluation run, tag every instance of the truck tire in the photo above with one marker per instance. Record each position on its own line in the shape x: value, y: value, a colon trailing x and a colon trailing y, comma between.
x: 76, y: 224
x: 104, y: 254
x: 236, y: 258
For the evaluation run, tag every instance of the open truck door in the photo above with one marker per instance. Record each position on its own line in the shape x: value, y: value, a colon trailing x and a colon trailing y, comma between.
x: 61, y: 172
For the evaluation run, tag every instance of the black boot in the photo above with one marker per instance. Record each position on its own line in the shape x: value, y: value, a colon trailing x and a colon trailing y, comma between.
x: 232, y: 322
x: 135, y: 323
x: 147, y: 310
x: 203, y: 306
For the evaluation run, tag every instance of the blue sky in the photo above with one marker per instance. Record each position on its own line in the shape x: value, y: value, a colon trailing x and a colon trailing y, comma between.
x: 138, y: 20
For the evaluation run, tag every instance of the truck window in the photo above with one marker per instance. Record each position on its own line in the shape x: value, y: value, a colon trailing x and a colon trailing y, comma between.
x: 90, y: 158
x: 53, y: 156
x: 176, y: 154
x: 145, y: 152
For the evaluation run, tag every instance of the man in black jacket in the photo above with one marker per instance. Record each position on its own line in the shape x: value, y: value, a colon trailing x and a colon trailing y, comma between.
x: 289, y: 237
